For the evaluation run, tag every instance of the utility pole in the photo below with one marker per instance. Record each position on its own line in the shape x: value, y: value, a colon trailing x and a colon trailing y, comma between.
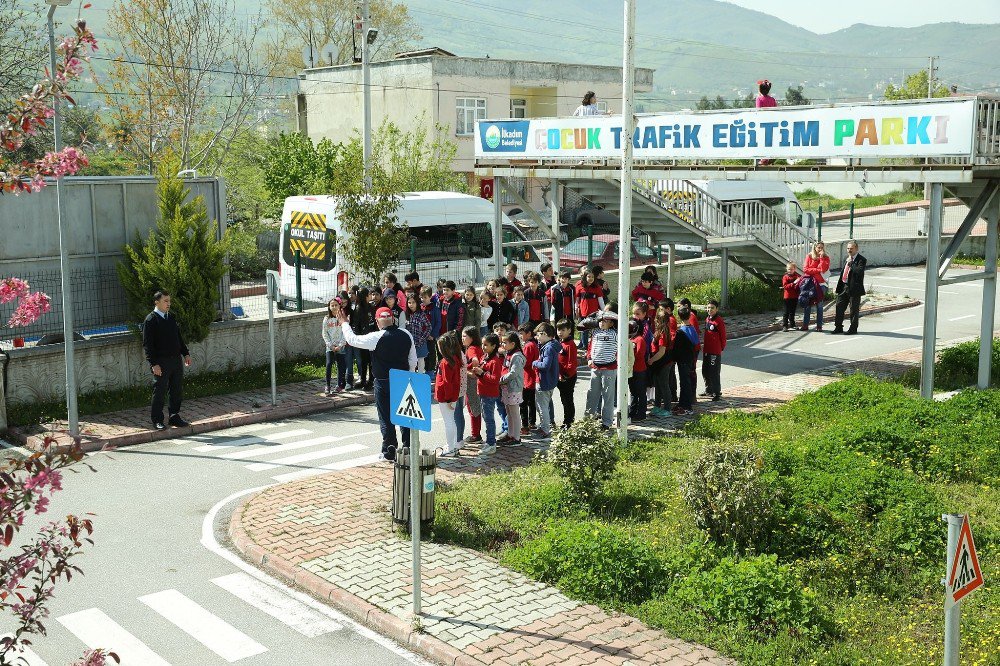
x: 625, y: 221
x: 931, y: 75
x: 72, y: 416
x: 367, y: 80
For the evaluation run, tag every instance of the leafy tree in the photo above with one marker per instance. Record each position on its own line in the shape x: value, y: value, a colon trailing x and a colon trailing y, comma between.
x: 794, y: 97
x: 371, y: 239
x: 747, y: 102
x: 407, y: 161
x: 915, y: 87
x: 187, y: 79
x: 332, y: 21
x: 181, y: 255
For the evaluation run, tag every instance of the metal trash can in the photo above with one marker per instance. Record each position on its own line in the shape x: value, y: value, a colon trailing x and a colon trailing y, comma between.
x: 401, y: 488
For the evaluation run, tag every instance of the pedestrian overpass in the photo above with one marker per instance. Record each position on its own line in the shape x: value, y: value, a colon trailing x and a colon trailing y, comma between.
x: 950, y: 144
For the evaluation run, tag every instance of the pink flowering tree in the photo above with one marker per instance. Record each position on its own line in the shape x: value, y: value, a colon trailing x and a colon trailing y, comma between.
x: 31, y: 565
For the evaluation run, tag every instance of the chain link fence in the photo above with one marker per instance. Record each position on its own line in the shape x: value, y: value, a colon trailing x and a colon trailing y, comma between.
x: 902, y: 220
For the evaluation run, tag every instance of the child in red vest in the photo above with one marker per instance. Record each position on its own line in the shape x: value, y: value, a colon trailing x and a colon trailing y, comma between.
x: 568, y: 362
x: 714, y: 344
x: 529, y: 411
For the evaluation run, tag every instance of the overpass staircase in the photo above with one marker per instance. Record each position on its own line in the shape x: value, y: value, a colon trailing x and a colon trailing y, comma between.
x: 678, y: 211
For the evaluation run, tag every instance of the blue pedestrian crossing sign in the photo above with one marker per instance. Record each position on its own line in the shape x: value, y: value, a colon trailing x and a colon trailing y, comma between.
x: 410, y: 399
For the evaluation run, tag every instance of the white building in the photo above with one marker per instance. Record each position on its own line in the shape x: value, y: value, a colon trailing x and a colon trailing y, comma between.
x: 424, y: 88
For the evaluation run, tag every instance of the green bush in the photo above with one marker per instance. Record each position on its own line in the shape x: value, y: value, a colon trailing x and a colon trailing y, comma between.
x: 747, y: 295
x: 585, y: 455
x: 730, y: 500
x: 594, y: 562
x: 957, y: 367
x: 757, y: 594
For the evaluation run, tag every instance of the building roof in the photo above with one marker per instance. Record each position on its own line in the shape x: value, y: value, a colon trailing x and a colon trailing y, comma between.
x: 433, y: 51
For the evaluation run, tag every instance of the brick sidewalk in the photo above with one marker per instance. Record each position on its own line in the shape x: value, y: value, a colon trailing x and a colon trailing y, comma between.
x: 332, y: 535
x: 131, y: 426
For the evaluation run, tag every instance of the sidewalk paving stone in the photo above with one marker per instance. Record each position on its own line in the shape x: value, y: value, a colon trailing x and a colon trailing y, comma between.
x: 476, y: 611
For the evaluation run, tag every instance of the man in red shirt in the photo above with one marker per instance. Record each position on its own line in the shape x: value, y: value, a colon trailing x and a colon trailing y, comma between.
x: 715, y: 343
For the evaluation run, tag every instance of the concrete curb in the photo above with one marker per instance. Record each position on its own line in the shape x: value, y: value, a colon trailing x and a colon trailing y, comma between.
x: 386, y: 624
x: 90, y: 443
x: 760, y: 330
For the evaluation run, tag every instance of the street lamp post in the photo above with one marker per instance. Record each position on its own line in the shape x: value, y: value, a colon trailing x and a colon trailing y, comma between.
x: 625, y: 220
x: 67, y: 300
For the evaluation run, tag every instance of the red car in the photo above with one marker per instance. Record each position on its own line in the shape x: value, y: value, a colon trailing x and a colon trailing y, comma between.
x: 574, y: 254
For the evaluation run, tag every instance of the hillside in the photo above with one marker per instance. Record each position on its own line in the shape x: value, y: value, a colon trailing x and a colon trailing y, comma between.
x: 698, y: 47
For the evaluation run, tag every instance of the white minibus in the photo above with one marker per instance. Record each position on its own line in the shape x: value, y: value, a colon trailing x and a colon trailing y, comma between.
x: 451, y: 237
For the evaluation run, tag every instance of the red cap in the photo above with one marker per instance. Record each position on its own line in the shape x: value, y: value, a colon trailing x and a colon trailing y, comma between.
x: 764, y: 81
x: 383, y: 312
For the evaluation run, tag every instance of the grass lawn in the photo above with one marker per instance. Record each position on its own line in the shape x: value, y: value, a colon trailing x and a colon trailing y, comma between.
x: 812, y: 200
x: 195, y: 386
x: 970, y: 259
x: 837, y: 560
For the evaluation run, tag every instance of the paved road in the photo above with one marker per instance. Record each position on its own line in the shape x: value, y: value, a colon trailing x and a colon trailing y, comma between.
x: 160, y: 587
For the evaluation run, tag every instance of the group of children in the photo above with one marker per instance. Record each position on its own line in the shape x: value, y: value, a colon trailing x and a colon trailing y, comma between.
x: 499, y: 355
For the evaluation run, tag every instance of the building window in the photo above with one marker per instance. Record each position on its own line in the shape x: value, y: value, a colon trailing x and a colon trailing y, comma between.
x: 470, y: 109
x: 518, y: 108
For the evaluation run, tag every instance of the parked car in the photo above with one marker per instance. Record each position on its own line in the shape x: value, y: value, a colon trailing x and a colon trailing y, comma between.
x: 606, y: 248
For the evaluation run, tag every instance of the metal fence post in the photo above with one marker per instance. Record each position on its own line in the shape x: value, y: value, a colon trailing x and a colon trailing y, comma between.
x: 819, y: 225
x: 298, y: 280
x: 271, y: 280
x: 850, y: 232
x: 590, y: 245
x: 413, y: 254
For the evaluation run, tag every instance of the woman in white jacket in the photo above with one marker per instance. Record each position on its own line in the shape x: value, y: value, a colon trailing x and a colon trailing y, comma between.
x: 334, y: 343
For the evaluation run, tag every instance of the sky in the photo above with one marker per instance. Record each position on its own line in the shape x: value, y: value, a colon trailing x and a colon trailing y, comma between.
x: 822, y: 16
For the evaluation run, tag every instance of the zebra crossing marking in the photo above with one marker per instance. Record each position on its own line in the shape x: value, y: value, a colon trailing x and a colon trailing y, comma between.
x: 278, y: 605
x: 339, y: 465
x: 306, y: 457
x: 253, y: 439
x: 210, y: 630
x: 97, y: 630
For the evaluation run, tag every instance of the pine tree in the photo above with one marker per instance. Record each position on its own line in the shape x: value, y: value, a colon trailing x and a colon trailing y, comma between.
x: 181, y: 256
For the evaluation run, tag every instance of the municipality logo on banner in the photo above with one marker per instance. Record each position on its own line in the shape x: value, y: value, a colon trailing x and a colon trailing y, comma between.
x: 504, y: 137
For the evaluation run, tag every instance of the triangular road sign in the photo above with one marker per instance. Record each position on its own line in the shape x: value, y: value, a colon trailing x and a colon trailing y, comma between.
x: 409, y: 406
x: 965, y: 575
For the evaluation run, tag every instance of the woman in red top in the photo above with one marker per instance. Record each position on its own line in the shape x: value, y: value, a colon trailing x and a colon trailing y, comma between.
x: 447, y: 388
x: 488, y: 376
x: 816, y: 266
x: 474, y: 355
x: 589, y: 299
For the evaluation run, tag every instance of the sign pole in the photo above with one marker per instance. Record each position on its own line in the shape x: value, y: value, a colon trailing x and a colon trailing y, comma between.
x: 272, y: 291
x: 952, y: 615
x: 415, y: 502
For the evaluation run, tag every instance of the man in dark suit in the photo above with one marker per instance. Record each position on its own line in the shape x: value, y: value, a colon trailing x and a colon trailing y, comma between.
x: 164, y: 347
x: 850, y: 289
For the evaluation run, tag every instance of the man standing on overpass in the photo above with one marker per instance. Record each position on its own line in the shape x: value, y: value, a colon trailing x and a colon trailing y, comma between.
x: 850, y: 289
x: 391, y: 348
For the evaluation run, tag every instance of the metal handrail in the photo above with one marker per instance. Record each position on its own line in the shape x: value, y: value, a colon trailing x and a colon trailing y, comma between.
x: 754, y: 220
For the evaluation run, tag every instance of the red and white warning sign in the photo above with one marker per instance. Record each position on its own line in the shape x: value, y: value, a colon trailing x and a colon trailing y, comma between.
x: 965, y: 575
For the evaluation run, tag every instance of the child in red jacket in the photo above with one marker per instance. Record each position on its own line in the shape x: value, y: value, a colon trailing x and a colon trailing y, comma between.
x: 529, y: 412
x: 568, y: 362
x: 488, y: 386
x: 447, y: 388
x: 713, y: 344
x: 790, y: 287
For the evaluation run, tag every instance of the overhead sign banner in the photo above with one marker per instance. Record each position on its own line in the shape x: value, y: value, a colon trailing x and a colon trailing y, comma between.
x: 965, y: 575
x: 925, y: 129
